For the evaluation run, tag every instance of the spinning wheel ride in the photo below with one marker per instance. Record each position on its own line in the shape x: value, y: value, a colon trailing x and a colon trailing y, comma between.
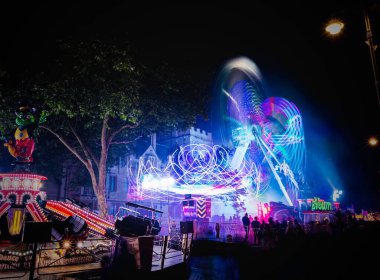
x: 266, y: 131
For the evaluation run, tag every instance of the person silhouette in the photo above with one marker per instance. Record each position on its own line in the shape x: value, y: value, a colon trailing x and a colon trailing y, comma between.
x: 246, y: 223
x: 256, y: 228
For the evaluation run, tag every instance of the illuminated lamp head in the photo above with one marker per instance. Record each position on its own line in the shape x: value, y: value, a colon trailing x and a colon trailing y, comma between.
x: 66, y: 244
x: 334, y: 27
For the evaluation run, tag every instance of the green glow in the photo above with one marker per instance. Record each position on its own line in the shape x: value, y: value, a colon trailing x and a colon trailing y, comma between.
x: 318, y: 204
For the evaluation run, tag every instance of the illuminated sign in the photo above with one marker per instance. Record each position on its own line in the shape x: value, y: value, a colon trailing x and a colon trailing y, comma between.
x: 320, y: 204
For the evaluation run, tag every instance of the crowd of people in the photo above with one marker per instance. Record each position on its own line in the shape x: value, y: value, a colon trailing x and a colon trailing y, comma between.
x: 230, y: 219
x: 269, y: 233
x: 341, y: 243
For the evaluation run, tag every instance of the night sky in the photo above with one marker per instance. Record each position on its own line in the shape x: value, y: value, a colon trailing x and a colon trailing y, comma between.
x: 330, y: 80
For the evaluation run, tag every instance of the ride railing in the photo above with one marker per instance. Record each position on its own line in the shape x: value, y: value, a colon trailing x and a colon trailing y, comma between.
x: 77, y: 254
x: 171, y: 248
x: 15, y: 260
x: 54, y: 257
x: 69, y: 256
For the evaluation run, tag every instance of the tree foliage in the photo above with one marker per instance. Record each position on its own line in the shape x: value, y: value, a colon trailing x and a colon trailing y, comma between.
x: 97, y: 96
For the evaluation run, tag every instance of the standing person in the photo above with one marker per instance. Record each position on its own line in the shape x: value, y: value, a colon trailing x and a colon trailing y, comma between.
x: 246, y: 224
x: 217, y: 230
x: 250, y: 218
x: 256, y: 228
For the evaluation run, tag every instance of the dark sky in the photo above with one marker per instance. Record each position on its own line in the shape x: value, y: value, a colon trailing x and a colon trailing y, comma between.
x: 330, y: 80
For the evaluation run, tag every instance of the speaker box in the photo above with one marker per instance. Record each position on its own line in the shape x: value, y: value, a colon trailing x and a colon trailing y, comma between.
x: 37, y: 232
x: 185, y: 203
x: 186, y: 227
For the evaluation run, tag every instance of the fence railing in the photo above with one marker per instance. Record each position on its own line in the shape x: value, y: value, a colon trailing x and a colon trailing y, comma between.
x: 72, y: 256
x: 68, y: 253
x: 208, y: 230
x: 15, y: 260
x: 173, y: 248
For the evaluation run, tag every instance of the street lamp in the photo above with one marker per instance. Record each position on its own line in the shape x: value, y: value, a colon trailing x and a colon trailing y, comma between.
x: 335, y: 26
x: 373, y: 141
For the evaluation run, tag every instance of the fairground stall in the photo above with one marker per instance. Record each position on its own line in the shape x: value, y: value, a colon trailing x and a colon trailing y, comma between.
x: 52, y: 237
x: 317, y: 209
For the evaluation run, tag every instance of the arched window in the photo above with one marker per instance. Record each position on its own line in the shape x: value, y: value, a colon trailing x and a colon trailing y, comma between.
x: 12, y: 198
x: 25, y: 199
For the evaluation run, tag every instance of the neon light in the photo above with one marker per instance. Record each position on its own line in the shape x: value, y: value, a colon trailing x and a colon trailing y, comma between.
x: 267, y: 137
x: 22, y: 176
x: 194, y: 169
x: 319, y: 204
x: 337, y: 194
x: 268, y: 132
x: 94, y: 222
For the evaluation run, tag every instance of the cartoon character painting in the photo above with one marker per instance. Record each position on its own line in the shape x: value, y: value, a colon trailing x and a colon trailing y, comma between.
x: 22, y: 146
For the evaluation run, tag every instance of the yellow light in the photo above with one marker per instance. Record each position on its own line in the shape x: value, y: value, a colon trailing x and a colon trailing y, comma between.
x: 80, y: 244
x: 373, y: 141
x: 334, y: 27
x: 66, y: 244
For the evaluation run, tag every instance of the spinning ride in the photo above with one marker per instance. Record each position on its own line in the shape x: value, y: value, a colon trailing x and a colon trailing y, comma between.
x: 265, y: 131
x: 263, y: 147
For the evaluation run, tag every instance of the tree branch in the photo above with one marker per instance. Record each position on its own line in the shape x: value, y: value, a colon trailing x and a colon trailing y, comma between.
x: 89, y: 155
x: 116, y: 132
x: 124, y: 142
x: 71, y: 149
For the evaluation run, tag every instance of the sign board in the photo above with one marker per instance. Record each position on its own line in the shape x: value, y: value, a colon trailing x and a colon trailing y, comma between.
x: 318, y: 204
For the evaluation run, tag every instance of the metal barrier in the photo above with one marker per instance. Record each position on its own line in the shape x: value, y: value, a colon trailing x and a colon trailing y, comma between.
x: 67, y: 253
x: 207, y: 230
x: 53, y: 257
x: 66, y: 256
x: 15, y: 261
x: 171, y: 249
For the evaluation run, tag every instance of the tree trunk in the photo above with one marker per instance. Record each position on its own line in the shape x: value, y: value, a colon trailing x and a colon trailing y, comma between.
x: 99, y: 190
x: 102, y: 203
x: 98, y: 182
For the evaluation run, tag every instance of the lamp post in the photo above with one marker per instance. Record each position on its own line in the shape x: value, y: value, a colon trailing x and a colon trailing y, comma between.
x: 372, y: 49
x: 334, y: 27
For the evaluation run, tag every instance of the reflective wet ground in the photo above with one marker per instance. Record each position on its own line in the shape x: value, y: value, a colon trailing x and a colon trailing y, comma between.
x: 339, y: 256
x: 214, y: 267
x: 322, y: 256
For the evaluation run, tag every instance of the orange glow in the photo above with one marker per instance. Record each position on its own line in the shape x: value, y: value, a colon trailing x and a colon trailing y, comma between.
x: 373, y: 141
x: 66, y: 244
x: 334, y: 27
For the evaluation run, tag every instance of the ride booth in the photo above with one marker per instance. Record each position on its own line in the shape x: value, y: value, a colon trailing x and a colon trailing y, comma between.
x: 194, y: 208
x: 317, y: 209
x: 198, y: 211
